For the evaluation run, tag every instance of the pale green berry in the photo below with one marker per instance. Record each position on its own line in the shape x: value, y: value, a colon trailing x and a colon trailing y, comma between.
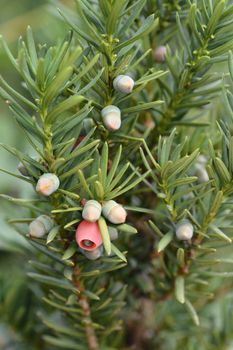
x: 201, y: 171
x: 47, y: 184
x: 114, y: 212
x: 160, y: 54
x: 201, y: 159
x: 113, y: 233
x: 91, y: 211
x: 94, y: 254
x: 123, y: 83
x: 111, y: 116
x: 88, y: 124
x: 184, y: 230
x: 202, y: 175
x: 23, y: 171
x: 40, y: 226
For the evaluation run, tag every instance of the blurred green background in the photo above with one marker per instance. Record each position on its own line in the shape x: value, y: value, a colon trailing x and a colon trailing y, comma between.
x: 15, y: 16
x: 16, y: 300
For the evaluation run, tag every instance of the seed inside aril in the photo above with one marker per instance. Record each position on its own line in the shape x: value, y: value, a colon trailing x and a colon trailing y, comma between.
x: 87, y: 243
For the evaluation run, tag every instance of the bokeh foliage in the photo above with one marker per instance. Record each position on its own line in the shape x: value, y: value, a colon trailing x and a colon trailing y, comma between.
x: 186, y: 106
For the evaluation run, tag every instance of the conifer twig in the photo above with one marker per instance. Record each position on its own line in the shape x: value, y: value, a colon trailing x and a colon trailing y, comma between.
x: 84, y: 304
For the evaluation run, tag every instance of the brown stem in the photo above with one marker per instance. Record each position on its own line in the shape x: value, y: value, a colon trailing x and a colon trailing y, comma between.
x: 83, y: 302
x: 90, y: 332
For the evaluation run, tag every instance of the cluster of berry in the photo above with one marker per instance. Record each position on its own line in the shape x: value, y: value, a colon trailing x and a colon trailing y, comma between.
x: 88, y: 234
x: 111, y: 114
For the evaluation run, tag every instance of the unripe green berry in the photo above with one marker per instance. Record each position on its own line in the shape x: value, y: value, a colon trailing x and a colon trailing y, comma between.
x: 114, y: 212
x: 23, y: 171
x: 202, y: 175
x: 184, y: 230
x: 111, y: 116
x: 113, y: 233
x: 201, y: 171
x: 47, y: 184
x: 94, y: 254
x: 91, y: 211
x: 88, y: 124
x: 160, y: 54
x: 123, y: 83
x: 40, y: 226
x: 201, y: 159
